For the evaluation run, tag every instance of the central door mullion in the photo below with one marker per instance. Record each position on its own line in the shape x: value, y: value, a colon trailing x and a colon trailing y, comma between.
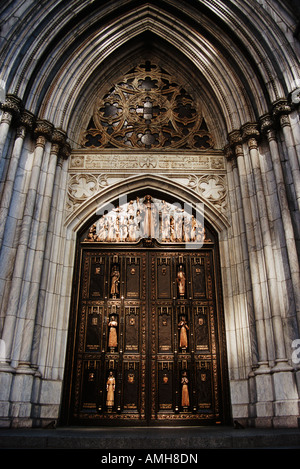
x: 149, y: 338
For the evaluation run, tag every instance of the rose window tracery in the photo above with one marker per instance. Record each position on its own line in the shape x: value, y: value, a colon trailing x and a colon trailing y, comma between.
x: 147, y: 109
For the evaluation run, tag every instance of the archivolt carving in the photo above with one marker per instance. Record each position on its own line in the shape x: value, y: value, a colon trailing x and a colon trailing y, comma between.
x: 147, y: 110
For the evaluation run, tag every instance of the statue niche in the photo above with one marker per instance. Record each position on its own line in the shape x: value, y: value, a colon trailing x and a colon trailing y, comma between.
x: 183, y: 335
x: 181, y: 280
x: 185, y: 399
x: 110, y: 388
x: 115, y: 282
x: 113, y: 335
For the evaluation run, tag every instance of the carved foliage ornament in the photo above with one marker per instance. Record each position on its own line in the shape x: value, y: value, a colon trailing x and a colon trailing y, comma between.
x: 147, y: 110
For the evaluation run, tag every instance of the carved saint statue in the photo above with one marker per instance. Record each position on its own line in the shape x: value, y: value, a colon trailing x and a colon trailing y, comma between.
x: 115, y: 280
x: 132, y: 226
x: 91, y: 234
x: 181, y: 281
x: 183, y: 337
x: 110, y: 388
x: 185, y: 400
x: 112, y: 336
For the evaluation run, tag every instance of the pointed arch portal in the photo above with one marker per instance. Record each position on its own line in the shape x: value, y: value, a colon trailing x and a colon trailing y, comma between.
x: 146, y: 340
x: 118, y: 120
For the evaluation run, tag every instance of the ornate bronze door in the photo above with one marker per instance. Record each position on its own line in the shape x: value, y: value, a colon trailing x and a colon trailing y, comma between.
x: 147, y: 342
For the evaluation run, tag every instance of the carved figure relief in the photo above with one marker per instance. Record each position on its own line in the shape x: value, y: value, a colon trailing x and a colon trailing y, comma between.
x: 181, y: 278
x: 185, y: 399
x: 149, y: 351
x: 148, y: 218
x: 183, y: 336
x: 115, y: 280
x: 112, y: 336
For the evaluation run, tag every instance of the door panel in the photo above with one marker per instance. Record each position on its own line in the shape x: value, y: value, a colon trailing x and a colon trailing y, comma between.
x: 148, y: 339
x: 183, y: 354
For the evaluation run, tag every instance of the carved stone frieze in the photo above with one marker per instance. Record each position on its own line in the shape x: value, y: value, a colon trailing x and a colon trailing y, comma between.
x: 112, y: 161
x: 91, y: 172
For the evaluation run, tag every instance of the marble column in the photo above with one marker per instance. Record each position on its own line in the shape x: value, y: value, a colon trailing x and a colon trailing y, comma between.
x: 287, y: 236
x: 56, y: 280
x: 251, y: 134
x: 25, y: 124
x: 281, y: 111
x: 235, y: 140
x: 42, y: 130
x: 58, y: 138
x: 239, y: 260
x: 48, y: 274
x: 260, y: 381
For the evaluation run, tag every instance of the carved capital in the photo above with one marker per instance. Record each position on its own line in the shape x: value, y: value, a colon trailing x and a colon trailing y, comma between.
x: 12, y: 105
x: 40, y: 141
x: 58, y: 141
x: 295, y: 96
x: 284, y: 120
x: 59, y: 137
x: 250, y: 133
x: 281, y: 107
x: 43, y: 128
x: 235, y: 138
x: 268, y: 126
x: 65, y: 151
x: 26, y: 120
x: 239, y: 150
x: 55, y: 148
x: 266, y: 123
x: 228, y: 152
x: 6, y: 118
x: 21, y: 131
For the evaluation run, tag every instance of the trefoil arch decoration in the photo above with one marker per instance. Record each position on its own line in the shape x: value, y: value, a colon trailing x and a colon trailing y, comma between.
x: 149, y: 110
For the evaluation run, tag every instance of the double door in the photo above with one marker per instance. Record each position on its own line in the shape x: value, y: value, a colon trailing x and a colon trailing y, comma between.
x: 148, y: 340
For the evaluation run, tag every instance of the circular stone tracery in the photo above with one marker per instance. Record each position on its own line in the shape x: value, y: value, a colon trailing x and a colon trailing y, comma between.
x: 147, y: 110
